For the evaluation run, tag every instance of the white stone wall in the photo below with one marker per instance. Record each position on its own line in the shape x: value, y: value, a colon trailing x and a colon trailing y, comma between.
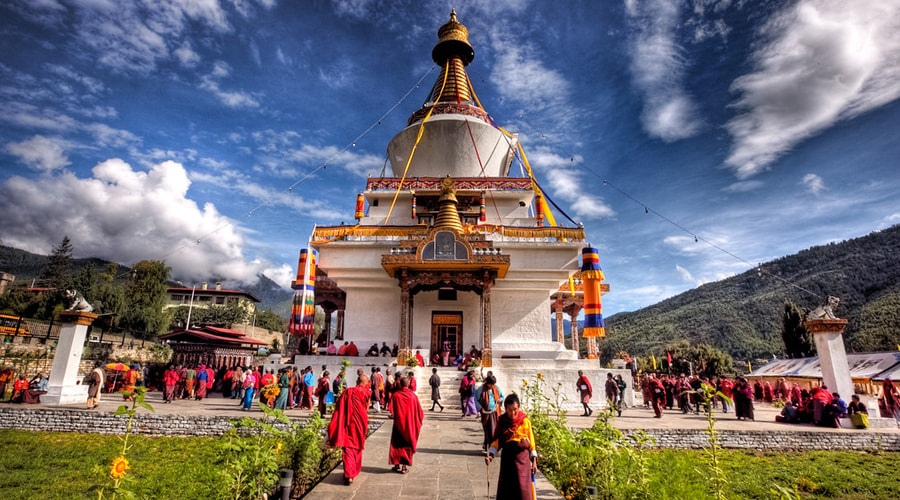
x: 372, y: 315
x: 559, y: 373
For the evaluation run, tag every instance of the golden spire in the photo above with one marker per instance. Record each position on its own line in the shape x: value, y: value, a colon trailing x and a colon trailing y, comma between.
x: 448, y: 212
x: 452, y: 53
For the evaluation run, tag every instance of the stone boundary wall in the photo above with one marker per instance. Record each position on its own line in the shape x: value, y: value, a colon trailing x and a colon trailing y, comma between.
x: 93, y: 422
x: 799, y: 440
x: 177, y: 425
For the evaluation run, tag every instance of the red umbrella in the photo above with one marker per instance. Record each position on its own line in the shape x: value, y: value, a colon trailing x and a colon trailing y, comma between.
x: 119, y: 367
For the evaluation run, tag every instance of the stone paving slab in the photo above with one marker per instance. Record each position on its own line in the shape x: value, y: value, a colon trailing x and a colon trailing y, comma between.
x: 449, y: 464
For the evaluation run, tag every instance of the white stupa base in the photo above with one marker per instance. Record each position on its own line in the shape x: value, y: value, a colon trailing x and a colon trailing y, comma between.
x: 558, y: 374
x: 65, y: 395
x: 532, y: 350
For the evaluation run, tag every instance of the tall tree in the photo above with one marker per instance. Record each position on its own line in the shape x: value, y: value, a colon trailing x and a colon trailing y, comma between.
x: 87, y: 281
x: 270, y: 321
x: 794, y: 334
x: 146, y: 298
x: 58, y: 271
x: 110, y: 295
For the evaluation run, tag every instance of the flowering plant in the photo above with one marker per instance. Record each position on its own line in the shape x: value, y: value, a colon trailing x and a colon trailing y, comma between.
x: 119, y: 467
x: 270, y: 392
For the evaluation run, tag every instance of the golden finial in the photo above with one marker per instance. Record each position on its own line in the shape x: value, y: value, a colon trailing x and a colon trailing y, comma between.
x: 453, y: 40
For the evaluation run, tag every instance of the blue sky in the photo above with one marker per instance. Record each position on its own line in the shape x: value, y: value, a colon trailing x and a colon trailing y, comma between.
x: 196, y: 131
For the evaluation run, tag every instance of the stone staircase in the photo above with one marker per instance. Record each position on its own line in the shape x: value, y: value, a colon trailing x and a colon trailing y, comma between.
x: 450, y: 379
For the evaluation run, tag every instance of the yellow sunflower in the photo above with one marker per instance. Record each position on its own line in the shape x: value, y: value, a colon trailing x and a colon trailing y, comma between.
x: 118, y: 467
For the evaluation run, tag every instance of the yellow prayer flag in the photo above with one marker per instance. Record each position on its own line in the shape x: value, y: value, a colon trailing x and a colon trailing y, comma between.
x: 749, y: 367
x: 653, y: 359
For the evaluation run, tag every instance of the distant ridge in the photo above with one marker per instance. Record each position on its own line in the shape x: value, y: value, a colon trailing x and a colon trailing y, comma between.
x: 742, y: 314
x: 27, y: 266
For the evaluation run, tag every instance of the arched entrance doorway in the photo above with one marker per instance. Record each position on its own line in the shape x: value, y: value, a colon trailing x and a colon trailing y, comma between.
x: 447, y: 333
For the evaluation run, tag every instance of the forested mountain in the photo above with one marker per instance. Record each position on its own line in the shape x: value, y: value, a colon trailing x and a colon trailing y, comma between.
x: 271, y: 296
x: 742, y: 315
x: 27, y: 267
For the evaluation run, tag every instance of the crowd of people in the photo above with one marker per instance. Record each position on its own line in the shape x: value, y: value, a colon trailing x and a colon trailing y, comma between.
x: 24, y: 389
x: 817, y: 406
x: 350, y: 349
x: 506, y: 428
x: 687, y: 393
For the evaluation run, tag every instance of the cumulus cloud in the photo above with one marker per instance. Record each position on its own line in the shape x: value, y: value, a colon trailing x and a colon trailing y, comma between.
x: 818, y: 62
x: 126, y: 215
x: 41, y: 153
x: 658, y: 69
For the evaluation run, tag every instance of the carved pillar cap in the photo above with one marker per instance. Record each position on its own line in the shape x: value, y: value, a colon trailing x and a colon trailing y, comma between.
x: 825, y: 325
x: 77, y: 317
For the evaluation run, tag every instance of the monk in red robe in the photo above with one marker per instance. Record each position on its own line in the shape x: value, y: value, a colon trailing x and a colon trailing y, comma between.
x: 518, y: 465
x: 350, y: 424
x: 408, y: 415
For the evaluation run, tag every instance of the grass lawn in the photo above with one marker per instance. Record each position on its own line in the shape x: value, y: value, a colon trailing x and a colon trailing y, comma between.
x: 52, y: 465
x: 815, y: 474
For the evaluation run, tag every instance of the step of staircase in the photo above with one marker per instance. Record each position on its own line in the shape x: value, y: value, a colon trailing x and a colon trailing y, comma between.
x: 450, y: 380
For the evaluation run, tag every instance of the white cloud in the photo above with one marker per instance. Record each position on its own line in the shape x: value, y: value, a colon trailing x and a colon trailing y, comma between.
x: 126, y: 215
x: 338, y: 75
x: 104, y: 135
x: 135, y: 36
x: 813, y: 183
x: 684, y: 273
x: 705, y: 21
x: 43, y: 12
x: 41, y: 153
x: 520, y: 75
x: 281, y: 58
x: 819, y: 62
x: 354, y: 8
x: 186, y: 55
x: 743, y: 186
x: 28, y: 116
x: 685, y: 245
x: 232, y: 99
x: 658, y: 68
x: 361, y: 165
x: 568, y: 185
